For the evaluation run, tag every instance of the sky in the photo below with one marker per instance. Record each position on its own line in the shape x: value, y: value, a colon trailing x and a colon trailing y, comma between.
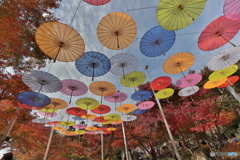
x: 85, y: 19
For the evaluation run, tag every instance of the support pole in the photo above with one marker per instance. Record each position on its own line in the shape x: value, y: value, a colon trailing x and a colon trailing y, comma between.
x: 48, y: 145
x: 232, y: 91
x: 164, y: 119
x: 125, y: 141
x: 102, y: 146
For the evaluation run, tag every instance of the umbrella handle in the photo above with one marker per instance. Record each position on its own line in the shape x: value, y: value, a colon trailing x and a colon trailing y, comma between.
x: 123, y: 72
x: 228, y: 41
x: 57, y: 54
x: 188, y: 15
x: 117, y: 39
x: 70, y: 96
x: 93, y: 74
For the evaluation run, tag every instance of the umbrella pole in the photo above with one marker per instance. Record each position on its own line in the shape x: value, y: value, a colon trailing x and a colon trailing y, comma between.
x: 164, y: 120
x: 48, y: 145
x: 102, y: 146
x: 125, y: 141
x: 53, y: 110
x: 70, y: 97
x: 57, y: 54
x: 93, y: 71
x: 134, y: 86
x: 219, y: 90
x: 181, y: 71
x: 123, y: 71
x: 229, y: 82
x: 232, y: 91
x: 228, y: 41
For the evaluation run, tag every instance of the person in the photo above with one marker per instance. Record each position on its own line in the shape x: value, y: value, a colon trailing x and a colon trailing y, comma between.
x: 233, y: 138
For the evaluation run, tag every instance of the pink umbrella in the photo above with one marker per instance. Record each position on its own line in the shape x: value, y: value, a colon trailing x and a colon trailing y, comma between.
x: 146, y: 105
x: 73, y: 87
x: 231, y: 9
x: 116, y: 97
x: 47, y: 114
x: 79, y: 126
x: 97, y: 2
x: 189, y: 80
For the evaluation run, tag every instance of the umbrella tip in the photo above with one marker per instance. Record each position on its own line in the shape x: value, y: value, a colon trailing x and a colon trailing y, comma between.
x: 146, y: 67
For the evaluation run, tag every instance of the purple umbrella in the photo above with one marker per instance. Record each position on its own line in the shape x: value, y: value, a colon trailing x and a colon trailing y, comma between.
x: 146, y: 105
x: 33, y: 99
x: 116, y: 97
x: 189, y: 80
x: 231, y: 9
x: 73, y: 87
x: 79, y: 126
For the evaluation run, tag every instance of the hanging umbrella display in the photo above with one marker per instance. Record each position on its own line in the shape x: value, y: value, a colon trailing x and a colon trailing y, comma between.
x: 73, y: 87
x: 42, y: 81
x: 138, y: 111
x: 68, y: 133
x: 53, y: 123
x: 53, y: 114
x: 146, y: 105
x: 112, y: 117
x: 87, y: 103
x: 89, y: 116
x: 214, y: 84
x: 107, y: 132
x: 77, y: 118
x: 165, y: 93
x: 93, y: 64
x: 79, y: 126
x: 177, y: 14
x: 141, y: 95
x: 123, y: 63
x: 91, y: 128
x: 133, y: 79
x: 102, y: 109
x: 224, y: 58
x: 111, y: 129
x: 116, y: 97
x: 60, y: 41
x: 97, y: 2
x: 189, y: 80
x: 57, y: 103
x: 161, y: 83
x: 178, y: 62
x: 157, y: 41
x: 48, y: 110
x: 126, y: 108
x: 66, y: 123
x: 231, y: 9
x: 128, y: 118
x: 76, y: 112
x: 229, y: 82
x: 60, y: 128
x: 224, y: 73
x: 116, y: 122
x: 100, y: 119
x: 188, y: 91
x: 217, y: 33
x: 116, y: 30
x: 102, y: 88
x: 80, y: 131
x: 33, y: 99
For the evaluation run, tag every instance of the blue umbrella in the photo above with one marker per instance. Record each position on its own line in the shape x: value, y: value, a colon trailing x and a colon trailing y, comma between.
x: 157, y: 41
x: 138, y: 111
x: 93, y: 64
x: 34, y: 99
x: 78, y: 118
x: 141, y: 95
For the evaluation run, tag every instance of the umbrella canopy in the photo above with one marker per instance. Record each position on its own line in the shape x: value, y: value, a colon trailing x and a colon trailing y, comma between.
x: 128, y: 118
x: 138, y: 111
x: 123, y: 63
x: 177, y: 14
x: 102, y: 129
x: 231, y: 9
x: 68, y: 133
x: 93, y: 64
x: 165, y: 93
x: 28, y: 107
x: 102, y: 109
x: 188, y: 91
x: 126, y: 108
x: 97, y: 2
x: 57, y: 103
x: 60, y: 41
x: 161, y: 83
x: 80, y: 132
x: 87, y: 103
x: 133, y: 79
x: 79, y: 126
x: 78, y: 118
x: 111, y: 129
x: 157, y: 41
x: 217, y: 33
x: 213, y: 84
x: 89, y: 116
x: 66, y: 123
x: 116, y: 97
x: 91, y: 128
x: 53, y: 114
x: 224, y: 58
x: 230, y: 81
x: 112, y: 117
x: 48, y: 110
x: 189, y: 80
x: 100, y: 119
x: 178, y: 63
x: 73, y: 87
x: 141, y: 95
x: 116, y: 122
x: 224, y: 73
x: 116, y: 30
x: 107, y: 132
x: 33, y: 99
x: 59, y: 128
x: 53, y: 123
x: 76, y: 111
x: 146, y: 105
x: 42, y: 81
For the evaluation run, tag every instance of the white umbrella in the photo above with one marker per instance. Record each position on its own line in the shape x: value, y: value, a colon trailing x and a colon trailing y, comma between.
x: 188, y: 91
x: 128, y: 118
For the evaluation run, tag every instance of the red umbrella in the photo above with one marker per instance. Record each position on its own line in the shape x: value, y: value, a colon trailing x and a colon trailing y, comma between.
x: 100, y: 119
x: 76, y: 111
x: 161, y: 83
x: 217, y: 33
x: 97, y: 2
x: 231, y: 9
x: 53, y: 122
x: 102, y: 109
x: 230, y: 81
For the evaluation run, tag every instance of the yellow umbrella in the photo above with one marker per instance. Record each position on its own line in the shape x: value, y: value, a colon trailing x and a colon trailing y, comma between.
x: 66, y: 123
x: 48, y: 110
x: 116, y: 30
x: 91, y: 128
x: 80, y: 132
x: 133, y: 79
x: 60, y: 128
x: 68, y: 133
x: 178, y: 63
x: 224, y: 73
x: 108, y: 122
x: 165, y: 93
x: 60, y: 41
x: 112, y: 117
x: 213, y: 84
x: 126, y: 108
x: 57, y: 103
x: 87, y: 103
x: 177, y: 14
x: 89, y: 116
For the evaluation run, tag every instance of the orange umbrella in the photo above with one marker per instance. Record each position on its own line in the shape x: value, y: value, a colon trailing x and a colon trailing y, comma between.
x: 68, y: 133
x: 60, y: 128
x: 60, y: 41
x: 89, y: 116
x: 102, y: 88
x: 213, y: 84
x: 57, y: 103
x: 111, y: 129
x: 126, y: 108
x: 178, y: 63
x: 91, y: 128
x: 116, y: 30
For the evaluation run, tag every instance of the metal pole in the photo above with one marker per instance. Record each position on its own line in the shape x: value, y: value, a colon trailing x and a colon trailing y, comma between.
x: 232, y: 91
x: 102, y: 146
x: 164, y: 119
x: 125, y: 141
x: 48, y: 145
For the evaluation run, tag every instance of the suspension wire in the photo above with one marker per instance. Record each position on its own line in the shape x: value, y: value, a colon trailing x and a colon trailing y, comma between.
x: 141, y: 8
x: 75, y: 12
